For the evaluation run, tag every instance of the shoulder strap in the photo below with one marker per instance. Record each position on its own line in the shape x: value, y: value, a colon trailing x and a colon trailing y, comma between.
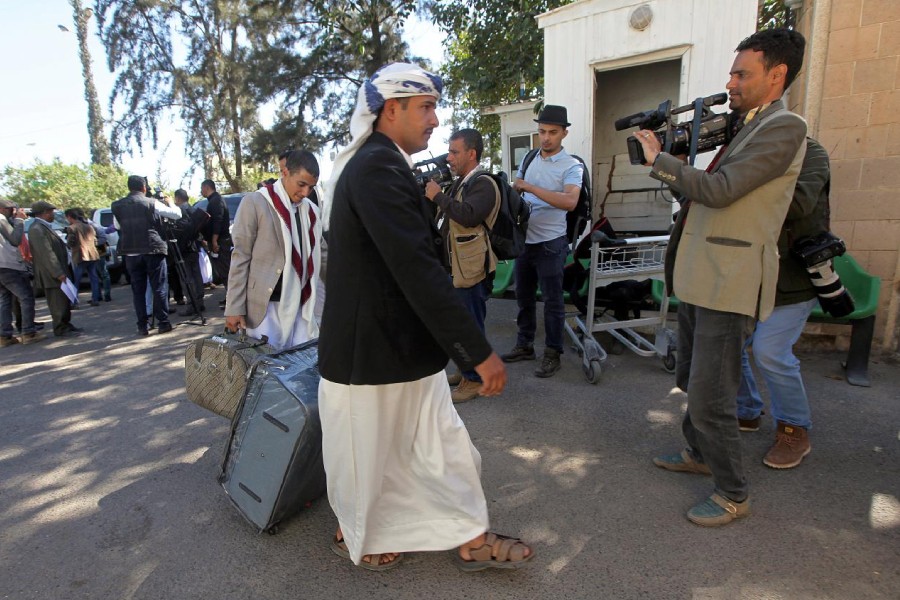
x: 529, y: 158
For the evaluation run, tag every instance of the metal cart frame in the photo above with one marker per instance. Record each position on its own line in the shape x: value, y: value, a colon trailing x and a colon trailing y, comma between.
x: 618, y: 260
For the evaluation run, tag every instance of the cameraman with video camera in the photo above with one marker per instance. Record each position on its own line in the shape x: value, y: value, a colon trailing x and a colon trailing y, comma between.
x: 722, y: 258
x: 139, y: 220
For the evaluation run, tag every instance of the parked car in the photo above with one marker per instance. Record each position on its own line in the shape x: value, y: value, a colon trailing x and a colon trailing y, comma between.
x: 103, y: 218
x: 232, y: 201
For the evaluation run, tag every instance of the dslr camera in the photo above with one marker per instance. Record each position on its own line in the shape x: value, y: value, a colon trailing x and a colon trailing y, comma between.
x: 815, y: 253
x: 705, y: 132
x: 435, y: 169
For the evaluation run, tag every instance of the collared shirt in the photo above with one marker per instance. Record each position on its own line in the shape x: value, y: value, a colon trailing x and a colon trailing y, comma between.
x: 552, y: 173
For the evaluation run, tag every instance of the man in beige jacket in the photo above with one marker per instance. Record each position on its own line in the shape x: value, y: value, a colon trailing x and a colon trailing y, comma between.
x: 722, y: 260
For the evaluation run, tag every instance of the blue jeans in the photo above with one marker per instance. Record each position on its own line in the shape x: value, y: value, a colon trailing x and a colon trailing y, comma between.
x: 149, y: 269
x: 475, y: 299
x: 103, y: 276
x: 541, y: 264
x: 773, y: 343
x: 16, y: 283
x: 91, y: 266
x: 708, y: 368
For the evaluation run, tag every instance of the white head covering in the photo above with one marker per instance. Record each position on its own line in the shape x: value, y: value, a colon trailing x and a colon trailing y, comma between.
x: 396, y: 80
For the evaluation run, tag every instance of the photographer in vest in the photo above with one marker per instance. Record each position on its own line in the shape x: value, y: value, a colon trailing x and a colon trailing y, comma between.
x: 139, y: 220
x: 472, y: 203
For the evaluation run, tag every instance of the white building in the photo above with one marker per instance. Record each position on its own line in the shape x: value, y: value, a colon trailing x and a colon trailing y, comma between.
x: 606, y: 59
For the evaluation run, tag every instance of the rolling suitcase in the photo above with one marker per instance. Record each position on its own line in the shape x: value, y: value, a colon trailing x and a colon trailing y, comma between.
x: 216, y: 370
x: 273, y: 464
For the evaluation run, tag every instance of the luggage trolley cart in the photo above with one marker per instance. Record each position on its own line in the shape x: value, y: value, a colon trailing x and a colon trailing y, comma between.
x: 618, y: 260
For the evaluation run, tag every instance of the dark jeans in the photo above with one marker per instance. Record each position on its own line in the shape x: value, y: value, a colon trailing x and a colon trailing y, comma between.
x: 140, y: 269
x: 475, y: 299
x: 91, y: 267
x: 541, y: 264
x: 15, y: 283
x: 708, y: 368
x: 103, y: 276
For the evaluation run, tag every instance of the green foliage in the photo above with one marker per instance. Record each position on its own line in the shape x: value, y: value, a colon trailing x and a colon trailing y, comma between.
x: 773, y: 13
x: 311, y: 65
x: 64, y: 185
x: 494, y: 47
x: 305, y: 57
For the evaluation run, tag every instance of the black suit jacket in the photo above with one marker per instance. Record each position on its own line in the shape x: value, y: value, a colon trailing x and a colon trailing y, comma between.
x: 391, y: 314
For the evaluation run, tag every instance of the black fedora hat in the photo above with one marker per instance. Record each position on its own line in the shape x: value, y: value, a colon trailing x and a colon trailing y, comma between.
x: 553, y: 114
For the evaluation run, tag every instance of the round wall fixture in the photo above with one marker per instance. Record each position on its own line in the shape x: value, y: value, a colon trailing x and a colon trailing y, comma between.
x: 641, y: 17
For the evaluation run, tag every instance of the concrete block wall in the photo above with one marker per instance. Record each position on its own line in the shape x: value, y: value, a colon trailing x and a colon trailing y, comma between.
x: 858, y: 121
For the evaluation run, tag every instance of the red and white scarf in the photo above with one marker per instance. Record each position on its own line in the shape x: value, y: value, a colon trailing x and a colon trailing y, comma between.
x: 302, y: 257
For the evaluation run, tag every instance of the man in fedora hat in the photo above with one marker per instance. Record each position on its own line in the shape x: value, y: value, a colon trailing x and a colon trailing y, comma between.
x: 551, y: 187
x: 15, y: 281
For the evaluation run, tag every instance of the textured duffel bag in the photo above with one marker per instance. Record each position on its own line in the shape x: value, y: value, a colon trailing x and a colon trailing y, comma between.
x: 216, y: 369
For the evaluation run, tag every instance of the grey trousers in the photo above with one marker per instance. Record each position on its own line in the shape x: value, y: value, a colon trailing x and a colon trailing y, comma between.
x: 709, y: 369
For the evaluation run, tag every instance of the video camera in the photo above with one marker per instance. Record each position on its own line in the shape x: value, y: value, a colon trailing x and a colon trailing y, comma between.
x: 712, y: 128
x: 439, y: 173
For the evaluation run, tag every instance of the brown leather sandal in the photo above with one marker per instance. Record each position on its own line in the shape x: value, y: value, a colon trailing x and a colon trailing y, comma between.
x: 497, y: 552
x: 373, y: 564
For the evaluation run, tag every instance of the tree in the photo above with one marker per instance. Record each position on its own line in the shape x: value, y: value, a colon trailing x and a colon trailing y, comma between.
x: 773, y: 13
x: 99, y: 146
x: 305, y: 57
x: 207, y: 87
x: 312, y: 64
x: 495, y: 55
x: 64, y: 185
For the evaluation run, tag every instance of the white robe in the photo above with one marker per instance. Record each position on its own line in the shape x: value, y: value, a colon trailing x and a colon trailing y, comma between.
x: 403, y: 475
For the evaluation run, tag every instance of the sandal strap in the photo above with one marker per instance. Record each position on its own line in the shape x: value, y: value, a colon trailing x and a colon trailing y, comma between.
x: 500, y: 548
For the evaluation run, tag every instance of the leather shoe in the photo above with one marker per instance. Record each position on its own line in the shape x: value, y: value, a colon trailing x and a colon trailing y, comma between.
x: 164, y: 328
x: 143, y: 331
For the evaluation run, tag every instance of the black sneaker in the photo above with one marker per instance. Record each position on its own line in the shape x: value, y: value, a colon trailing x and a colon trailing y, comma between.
x: 549, y: 364
x: 143, y: 330
x: 519, y: 353
x: 164, y: 328
x: 749, y: 424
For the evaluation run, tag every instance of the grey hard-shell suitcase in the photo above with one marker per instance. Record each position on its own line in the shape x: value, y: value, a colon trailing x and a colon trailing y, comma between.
x: 273, y: 463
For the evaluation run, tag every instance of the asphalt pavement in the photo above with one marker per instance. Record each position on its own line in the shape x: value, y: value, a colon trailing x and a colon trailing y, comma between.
x: 108, y: 486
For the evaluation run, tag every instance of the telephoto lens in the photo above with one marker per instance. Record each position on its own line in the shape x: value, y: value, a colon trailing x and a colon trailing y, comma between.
x: 833, y: 296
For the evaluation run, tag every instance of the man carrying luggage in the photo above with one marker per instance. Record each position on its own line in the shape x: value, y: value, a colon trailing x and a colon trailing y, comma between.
x: 403, y: 475
x: 463, y: 216
x: 275, y: 277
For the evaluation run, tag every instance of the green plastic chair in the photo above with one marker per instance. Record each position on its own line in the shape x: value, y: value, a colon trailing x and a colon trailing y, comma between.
x: 503, y: 277
x: 865, y: 289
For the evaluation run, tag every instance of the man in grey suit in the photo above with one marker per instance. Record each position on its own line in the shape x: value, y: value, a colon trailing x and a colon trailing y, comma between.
x: 276, y: 265
x: 722, y: 259
x: 50, y: 260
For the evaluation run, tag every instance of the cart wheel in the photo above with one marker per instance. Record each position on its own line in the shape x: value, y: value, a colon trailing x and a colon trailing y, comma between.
x: 592, y: 371
x: 669, y: 361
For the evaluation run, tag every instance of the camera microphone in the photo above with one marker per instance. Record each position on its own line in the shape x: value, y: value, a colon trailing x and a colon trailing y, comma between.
x: 630, y: 121
x: 715, y: 99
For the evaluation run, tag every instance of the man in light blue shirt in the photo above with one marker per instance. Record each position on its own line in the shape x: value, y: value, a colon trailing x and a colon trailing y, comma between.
x: 551, y: 186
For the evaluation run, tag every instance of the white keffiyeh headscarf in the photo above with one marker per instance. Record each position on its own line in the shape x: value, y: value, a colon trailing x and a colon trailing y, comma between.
x: 396, y: 80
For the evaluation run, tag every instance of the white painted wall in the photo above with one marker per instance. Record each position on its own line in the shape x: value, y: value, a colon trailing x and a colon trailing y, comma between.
x: 585, y: 37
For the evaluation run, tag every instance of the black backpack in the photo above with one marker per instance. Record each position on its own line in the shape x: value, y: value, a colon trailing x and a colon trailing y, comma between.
x: 578, y: 217
x: 507, y: 236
